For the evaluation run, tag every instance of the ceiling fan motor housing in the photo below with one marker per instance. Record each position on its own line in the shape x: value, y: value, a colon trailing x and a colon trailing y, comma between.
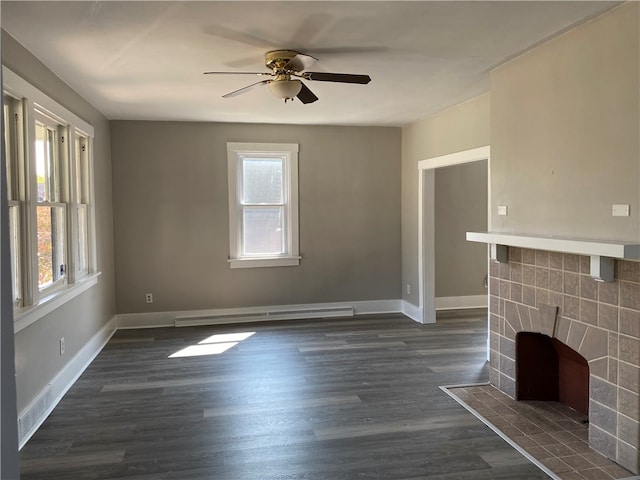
x: 277, y: 59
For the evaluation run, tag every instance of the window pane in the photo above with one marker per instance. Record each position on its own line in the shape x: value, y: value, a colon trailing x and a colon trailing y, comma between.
x: 46, y: 164
x: 14, y: 245
x: 51, y: 244
x: 82, y: 175
x: 262, y: 180
x: 8, y: 145
x: 83, y: 240
x: 263, y: 231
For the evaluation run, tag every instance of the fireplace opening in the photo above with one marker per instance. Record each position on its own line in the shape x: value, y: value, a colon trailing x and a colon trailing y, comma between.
x: 549, y: 370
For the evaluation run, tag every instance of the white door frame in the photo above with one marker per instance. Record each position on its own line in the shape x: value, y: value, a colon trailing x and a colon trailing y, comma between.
x: 426, y: 217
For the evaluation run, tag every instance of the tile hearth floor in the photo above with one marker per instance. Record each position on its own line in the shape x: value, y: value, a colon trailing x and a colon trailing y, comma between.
x: 550, y: 432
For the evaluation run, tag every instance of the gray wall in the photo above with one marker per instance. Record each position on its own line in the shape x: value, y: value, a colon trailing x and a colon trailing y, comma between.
x: 564, y: 133
x: 37, y: 355
x: 460, y: 206
x: 459, y: 128
x: 171, y: 211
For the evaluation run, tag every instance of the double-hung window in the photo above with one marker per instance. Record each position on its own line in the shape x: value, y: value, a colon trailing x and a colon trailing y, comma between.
x: 50, y: 198
x: 263, y: 204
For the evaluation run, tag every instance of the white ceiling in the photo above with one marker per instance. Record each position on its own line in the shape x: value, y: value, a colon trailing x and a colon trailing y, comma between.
x: 144, y: 60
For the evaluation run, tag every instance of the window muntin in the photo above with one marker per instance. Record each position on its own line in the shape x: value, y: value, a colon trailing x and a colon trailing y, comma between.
x: 263, y: 210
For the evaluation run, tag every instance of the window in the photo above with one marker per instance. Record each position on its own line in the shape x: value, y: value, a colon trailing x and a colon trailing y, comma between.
x: 50, y: 198
x: 12, y: 111
x: 263, y: 204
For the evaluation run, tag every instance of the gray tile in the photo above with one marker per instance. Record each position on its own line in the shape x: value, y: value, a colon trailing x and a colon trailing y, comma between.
x: 603, y: 392
x: 603, y: 417
x: 629, y: 271
x: 588, y: 312
x: 608, y: 292
x: 629, y: 349
x: 571, y: 284
x: 630, y: 295
x: 608, y: 316
x: 571, y: 262
x: 588, y: 287
x: 629, y: 377
x: 630, y: 322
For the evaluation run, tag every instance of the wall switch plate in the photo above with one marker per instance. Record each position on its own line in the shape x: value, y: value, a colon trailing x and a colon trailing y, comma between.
x: 408, y: 289
x: 620, y: 210
x: 502, y: 210
x: 148, y: 298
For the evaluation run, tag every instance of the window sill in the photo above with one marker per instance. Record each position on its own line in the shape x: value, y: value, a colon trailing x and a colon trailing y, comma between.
x: 25, y: 316
x: 264, y: 262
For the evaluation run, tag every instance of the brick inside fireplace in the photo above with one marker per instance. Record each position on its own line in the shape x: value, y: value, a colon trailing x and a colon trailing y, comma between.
x: 553, y: 294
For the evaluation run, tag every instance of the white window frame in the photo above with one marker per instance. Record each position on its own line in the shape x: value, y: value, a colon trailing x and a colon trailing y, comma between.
x: 37, y: 303
x: 236, y: 152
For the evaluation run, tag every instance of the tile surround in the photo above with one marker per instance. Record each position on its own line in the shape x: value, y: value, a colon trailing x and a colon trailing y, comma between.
x: 553, y: 293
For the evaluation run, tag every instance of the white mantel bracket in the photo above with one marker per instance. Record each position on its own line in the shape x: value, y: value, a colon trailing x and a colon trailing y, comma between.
x: 602, y: 253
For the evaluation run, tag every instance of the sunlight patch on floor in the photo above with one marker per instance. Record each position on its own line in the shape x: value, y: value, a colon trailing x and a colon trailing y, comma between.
x: 213, y: 345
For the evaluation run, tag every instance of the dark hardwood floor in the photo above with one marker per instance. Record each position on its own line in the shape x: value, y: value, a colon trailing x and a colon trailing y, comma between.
x: 330, y: 399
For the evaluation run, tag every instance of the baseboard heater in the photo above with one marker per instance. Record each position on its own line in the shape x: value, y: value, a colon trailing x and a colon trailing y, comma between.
x: 34, y: 415
x: 262, y: 316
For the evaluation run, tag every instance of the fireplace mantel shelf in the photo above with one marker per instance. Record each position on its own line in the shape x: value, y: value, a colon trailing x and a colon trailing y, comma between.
x: 602, y: 252
x: 603, y: 248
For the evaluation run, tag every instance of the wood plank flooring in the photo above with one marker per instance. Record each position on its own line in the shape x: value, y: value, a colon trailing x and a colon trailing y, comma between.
x: 314, y: 400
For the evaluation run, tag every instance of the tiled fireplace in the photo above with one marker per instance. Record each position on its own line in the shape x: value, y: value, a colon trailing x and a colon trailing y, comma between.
x: 553, y: 294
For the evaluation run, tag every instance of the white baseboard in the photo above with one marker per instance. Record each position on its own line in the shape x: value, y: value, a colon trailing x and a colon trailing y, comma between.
x: 41, y: 407
x: 167, y: 319
x: 412, y: 311
x: 456, y: 303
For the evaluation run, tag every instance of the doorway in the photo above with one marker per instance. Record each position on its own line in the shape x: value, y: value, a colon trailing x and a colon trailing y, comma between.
x: 426, y: 221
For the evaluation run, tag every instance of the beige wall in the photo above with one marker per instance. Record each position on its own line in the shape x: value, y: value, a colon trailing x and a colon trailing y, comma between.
x: 460, y: 206
x: 171, y: 211
x: 459, y: 128
x: 37, y: 351
x: 565, y: 133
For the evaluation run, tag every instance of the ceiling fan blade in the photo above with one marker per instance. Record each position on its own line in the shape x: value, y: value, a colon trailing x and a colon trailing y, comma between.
x: 338, y: 77
x: 236, y: 73
x: 307, y: 30
x: 245, y: 89
x: 306, y: 95
x: 346, y: 50
x: 301, y: 62
x: 237, y: 36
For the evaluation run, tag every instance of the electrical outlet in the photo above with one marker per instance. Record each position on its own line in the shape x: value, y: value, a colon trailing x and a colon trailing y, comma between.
x: 148, y: 298
x: 62, y: 346
x: 620, y: 210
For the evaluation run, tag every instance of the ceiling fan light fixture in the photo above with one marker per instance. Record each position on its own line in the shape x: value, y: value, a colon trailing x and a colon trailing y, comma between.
x: 285, y: 89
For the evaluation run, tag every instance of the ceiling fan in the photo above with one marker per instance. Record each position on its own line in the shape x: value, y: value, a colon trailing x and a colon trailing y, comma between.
x: 287, y: 67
